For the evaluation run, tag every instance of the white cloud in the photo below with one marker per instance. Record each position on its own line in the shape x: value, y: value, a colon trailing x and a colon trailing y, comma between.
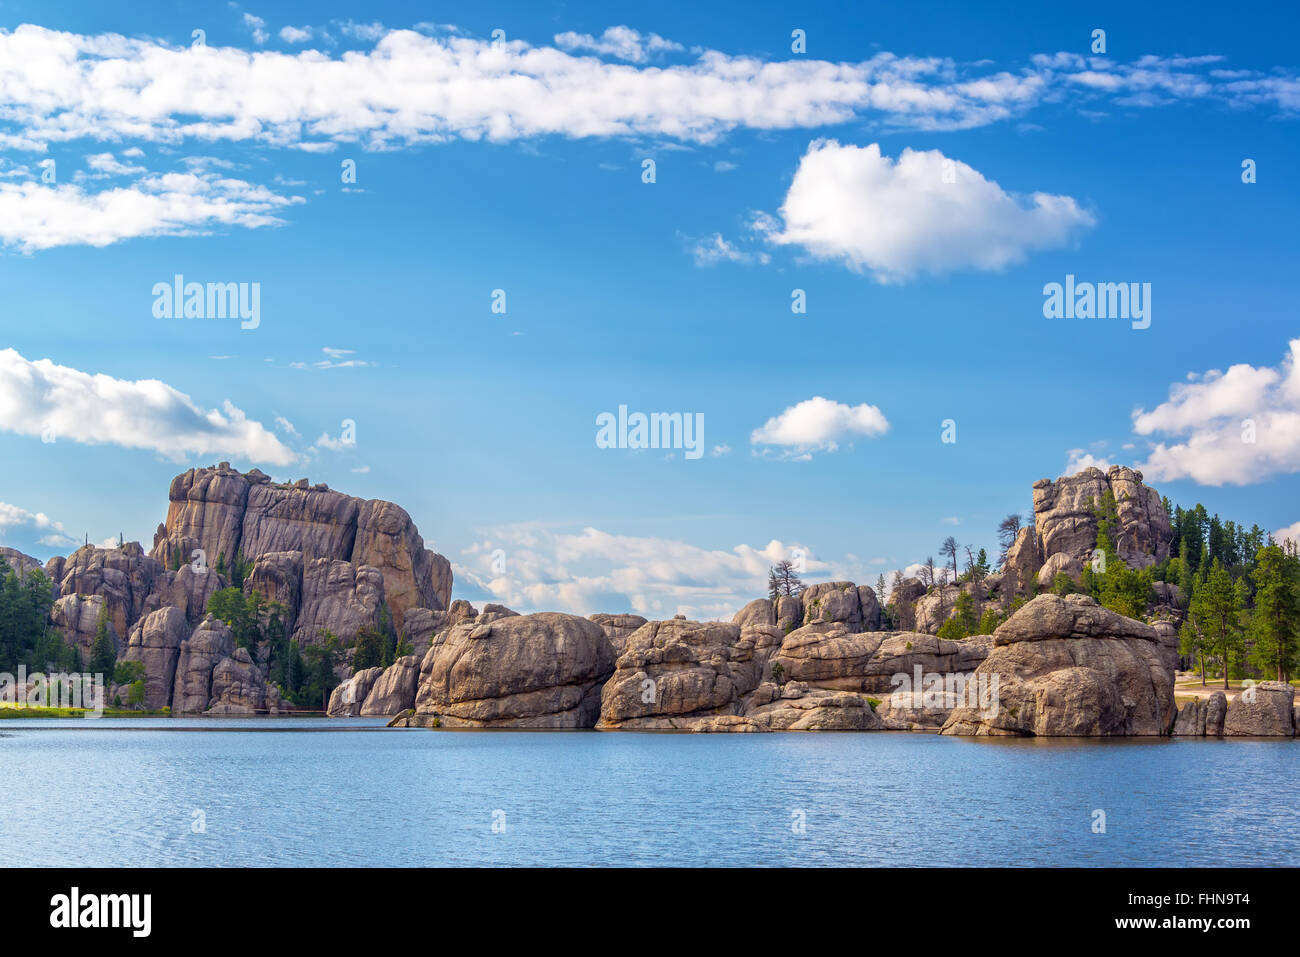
x: 295, y: 34
x: 43, y: 399
x: 414, y: 88
x: 1209, y: 422
x: 327, y: 441
x: 923, y: 213
x: 106, y: 164
x: 720, y: 450
x: 35, y: 216
x: 952, y: 520
x: 368, y: 32
x: 621, y: 42
x: 590, y: 570
x: 284, y: 425
x: 715, y: 249
x: 334, y: 359
x: 1080, y: 459
x: 257, y: 26
x: 1289, y: 534
x: 819, y: 425
x: 17, y: 521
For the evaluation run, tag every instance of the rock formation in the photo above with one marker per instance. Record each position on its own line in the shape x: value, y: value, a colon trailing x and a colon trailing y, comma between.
x: 77, y: 617
x: 752, y: 676
x: 1065, y: 524
x: 238, y: 687
x: 394, y: 691
x: 674, y: 672
x: 199, y: 656
x: 618, y: 628
x: 350, y: 694
x: 229, y: 515
x: 155, y: 642
x: 1263, y: 710
x: 124, y: 577
x: 521, y: 671
x: 1067, y: 666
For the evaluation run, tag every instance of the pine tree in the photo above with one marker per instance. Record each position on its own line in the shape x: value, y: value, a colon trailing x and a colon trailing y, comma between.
x: 1216, y: 611
x: 103, y: 655
x: 1275, y: 625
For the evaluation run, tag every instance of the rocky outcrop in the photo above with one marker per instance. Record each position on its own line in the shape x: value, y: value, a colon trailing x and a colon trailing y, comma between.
x: 853, y: 606
x: 675, y: 672
x: 206, y: 511
x: 521, y: 671
x: 1067, y: 666
x: 188, y: 589
x: 1023, y: 561
x: 229, y: 515
x: 77, y: 617
x: 750, y: 676
x: 238, y: 688
x: 199, y: 656
x: 869, y: 662
x: 278, y: 577
x: 155, y: 642
x: 1064, y: 533
x: 796, y: 706
x: 617, y: 628
x: 903, y: 599
x: 340, y: 598
x: 1263, y: 710
x: 1216, y: 713
x: 19, y: 563
x: 418, y: 628
x: 1059, y: 564
x: 350, y: 694
x: 394, y: 690
x: 123, y: 576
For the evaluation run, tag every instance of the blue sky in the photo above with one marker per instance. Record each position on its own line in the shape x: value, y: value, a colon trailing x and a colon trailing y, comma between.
x: 518, y: 165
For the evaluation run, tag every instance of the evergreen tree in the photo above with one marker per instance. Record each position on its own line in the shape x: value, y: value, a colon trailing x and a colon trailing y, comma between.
x: 1275, y: 624
x: 103, y: 655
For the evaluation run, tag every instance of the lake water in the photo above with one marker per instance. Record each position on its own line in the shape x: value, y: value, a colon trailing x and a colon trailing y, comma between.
x: 315, y: 792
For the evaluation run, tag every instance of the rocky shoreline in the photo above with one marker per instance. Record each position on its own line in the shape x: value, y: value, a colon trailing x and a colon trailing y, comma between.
x: 821, y: 660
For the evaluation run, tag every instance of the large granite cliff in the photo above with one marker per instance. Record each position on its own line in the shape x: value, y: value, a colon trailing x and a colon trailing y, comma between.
x: 229, y: 515
x: 335, y: 563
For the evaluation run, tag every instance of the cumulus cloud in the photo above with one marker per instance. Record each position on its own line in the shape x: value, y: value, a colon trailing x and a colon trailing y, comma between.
x: 40, y: 398
x: 924, y: 213
x: 621, y: 42
x: 1289, y: 534
x: 412, y: 88
x: 1080, y: 459
x: 590, y: 570
x: 295, y: 34
x: 17, y: 523
x: 1235, y: 427
x: 256, y: 26
x: 819, y: 425
x: 36, y: 215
